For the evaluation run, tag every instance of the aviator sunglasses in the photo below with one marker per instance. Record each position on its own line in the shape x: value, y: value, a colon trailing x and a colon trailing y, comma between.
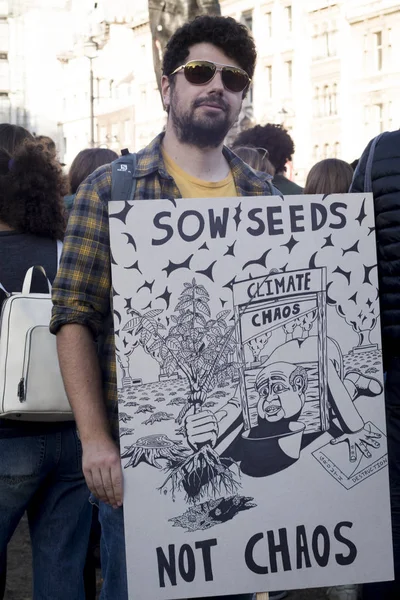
x: 200, y: 72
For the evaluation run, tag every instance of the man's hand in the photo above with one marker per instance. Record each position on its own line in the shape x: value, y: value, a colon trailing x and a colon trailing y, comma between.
x: 201, y: 428
x: 101, y: 464
x: 359, y: 442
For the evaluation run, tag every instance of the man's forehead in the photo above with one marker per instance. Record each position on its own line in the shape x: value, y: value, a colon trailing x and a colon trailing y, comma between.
x: 207, y: 51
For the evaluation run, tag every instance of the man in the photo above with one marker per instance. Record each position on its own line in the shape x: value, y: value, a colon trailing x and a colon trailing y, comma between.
x: 281, y: 385
x: 207, y: 69
x: 281, y: 388
x: 378, y: 171
x: 276, y: 140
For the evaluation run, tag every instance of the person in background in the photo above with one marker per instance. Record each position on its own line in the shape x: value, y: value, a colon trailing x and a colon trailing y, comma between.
x: 280, y: 148
x: 11, y: 137
x: 384, y: 175
x: 48, y: 144
x: 84, y: 163
x: 332, y: 176
x: 40, y: 466
x: 253, y: 157
x: 329, y: 176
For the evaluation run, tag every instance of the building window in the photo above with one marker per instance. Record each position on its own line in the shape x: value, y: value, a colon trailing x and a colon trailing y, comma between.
x: 247, y: 19
x: 114, y: 132
x: 378, y: 117
x: 268, y: 16
x: 327, y: 101
x: 269, y: 80
x: 289, y: 76
x: 378, y: 50
x: 103, y: 135
x: 327, y: 151
x: 334, y: 99
x: 336, y: 150
x: 3, y: 55
x: 316, y: 102
x: 316, y: 152
x: 288, y: 17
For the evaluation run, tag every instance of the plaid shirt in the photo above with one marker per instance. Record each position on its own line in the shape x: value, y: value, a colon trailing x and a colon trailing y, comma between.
x: 82, y: 288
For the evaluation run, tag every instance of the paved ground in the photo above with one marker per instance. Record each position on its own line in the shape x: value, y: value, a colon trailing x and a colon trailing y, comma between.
x: 19, y: 572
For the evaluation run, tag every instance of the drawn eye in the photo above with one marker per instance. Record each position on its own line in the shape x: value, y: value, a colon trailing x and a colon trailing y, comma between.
x: 265, y: 392
x: 278, y: 387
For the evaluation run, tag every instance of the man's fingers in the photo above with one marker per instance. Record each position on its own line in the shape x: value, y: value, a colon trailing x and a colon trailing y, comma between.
x: 371, y: 442
x: 352, y: 451
x: 339, y: 439
x: 362, y: 446
x: 116, y: 478
x: 202, y: 416
x: 108, y: 486
x: 89, y: 482
x: 99, y: 490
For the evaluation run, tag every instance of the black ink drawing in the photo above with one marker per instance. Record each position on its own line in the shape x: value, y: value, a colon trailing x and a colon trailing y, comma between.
x: 212, y: 512
x: 248, y: 388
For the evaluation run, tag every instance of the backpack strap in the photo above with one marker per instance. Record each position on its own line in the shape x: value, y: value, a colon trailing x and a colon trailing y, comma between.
x: 59, y: 250
x: 123, y: 184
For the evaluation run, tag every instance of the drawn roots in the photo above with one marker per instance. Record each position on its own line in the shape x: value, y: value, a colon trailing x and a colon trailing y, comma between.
x: 151, y: 448
x: 201, y: 474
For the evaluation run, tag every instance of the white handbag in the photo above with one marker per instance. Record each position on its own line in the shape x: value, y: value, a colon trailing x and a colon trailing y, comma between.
x: 31, y: 386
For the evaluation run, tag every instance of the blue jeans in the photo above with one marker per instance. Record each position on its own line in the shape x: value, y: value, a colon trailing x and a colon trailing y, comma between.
x: 391, y: 590
x: 42, y: 474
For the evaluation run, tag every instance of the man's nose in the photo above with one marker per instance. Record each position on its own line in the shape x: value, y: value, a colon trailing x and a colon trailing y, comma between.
x: 216, y: 84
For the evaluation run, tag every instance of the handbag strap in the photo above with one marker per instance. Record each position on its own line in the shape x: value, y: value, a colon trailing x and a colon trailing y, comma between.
x: 26, y: 286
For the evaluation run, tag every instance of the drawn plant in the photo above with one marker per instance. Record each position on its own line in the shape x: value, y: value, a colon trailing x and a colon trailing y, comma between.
x: 124, y: 417
x: 145, y: 408
x: 157, y: 417
x: 141, y: 330
x: 150, y: 449
x: 200, y: 348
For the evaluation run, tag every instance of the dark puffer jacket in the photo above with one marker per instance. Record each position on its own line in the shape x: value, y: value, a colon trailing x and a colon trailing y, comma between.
x: 386, y: 189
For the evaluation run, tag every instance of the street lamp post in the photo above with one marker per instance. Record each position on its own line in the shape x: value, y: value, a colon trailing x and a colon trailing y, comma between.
x: 91, y: 48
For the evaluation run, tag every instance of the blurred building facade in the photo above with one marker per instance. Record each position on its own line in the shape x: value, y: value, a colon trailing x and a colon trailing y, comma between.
x: 326, y: 70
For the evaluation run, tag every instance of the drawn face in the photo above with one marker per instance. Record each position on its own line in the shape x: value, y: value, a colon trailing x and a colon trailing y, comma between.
x: 202, y: 115
x: 281, y: 388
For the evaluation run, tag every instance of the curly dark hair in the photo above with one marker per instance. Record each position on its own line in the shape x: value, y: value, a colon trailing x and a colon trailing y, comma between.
x: 225, y: 33
x: 273, y: 138
x: 32, y: 188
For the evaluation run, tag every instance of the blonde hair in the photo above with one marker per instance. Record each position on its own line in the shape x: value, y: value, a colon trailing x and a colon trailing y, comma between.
x: 329, y: 176
x: 252, y: 156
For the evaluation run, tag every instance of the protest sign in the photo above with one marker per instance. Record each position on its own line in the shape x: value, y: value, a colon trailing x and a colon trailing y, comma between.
x: 250, y: 391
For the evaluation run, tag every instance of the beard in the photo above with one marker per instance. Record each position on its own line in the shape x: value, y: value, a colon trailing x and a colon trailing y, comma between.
x: 206, y: 131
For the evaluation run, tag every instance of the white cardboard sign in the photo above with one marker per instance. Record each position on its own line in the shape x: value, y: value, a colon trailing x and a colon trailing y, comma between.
x: 250, y: 392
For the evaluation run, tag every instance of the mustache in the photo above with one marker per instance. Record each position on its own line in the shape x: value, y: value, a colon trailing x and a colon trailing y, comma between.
x: 218, y: 101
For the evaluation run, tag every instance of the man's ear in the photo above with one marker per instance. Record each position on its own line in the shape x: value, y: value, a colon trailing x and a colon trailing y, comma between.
x: 166, y: 91
x: 299, y: 384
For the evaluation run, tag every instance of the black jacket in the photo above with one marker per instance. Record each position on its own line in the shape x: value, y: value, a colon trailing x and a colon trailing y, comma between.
x: 385, y: 176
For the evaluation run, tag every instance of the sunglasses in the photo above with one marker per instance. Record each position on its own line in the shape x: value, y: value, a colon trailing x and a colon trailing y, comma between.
x: 200, y: 72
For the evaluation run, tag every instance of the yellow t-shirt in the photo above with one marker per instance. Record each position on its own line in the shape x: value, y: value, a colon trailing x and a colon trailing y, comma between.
x: 192, y: 187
